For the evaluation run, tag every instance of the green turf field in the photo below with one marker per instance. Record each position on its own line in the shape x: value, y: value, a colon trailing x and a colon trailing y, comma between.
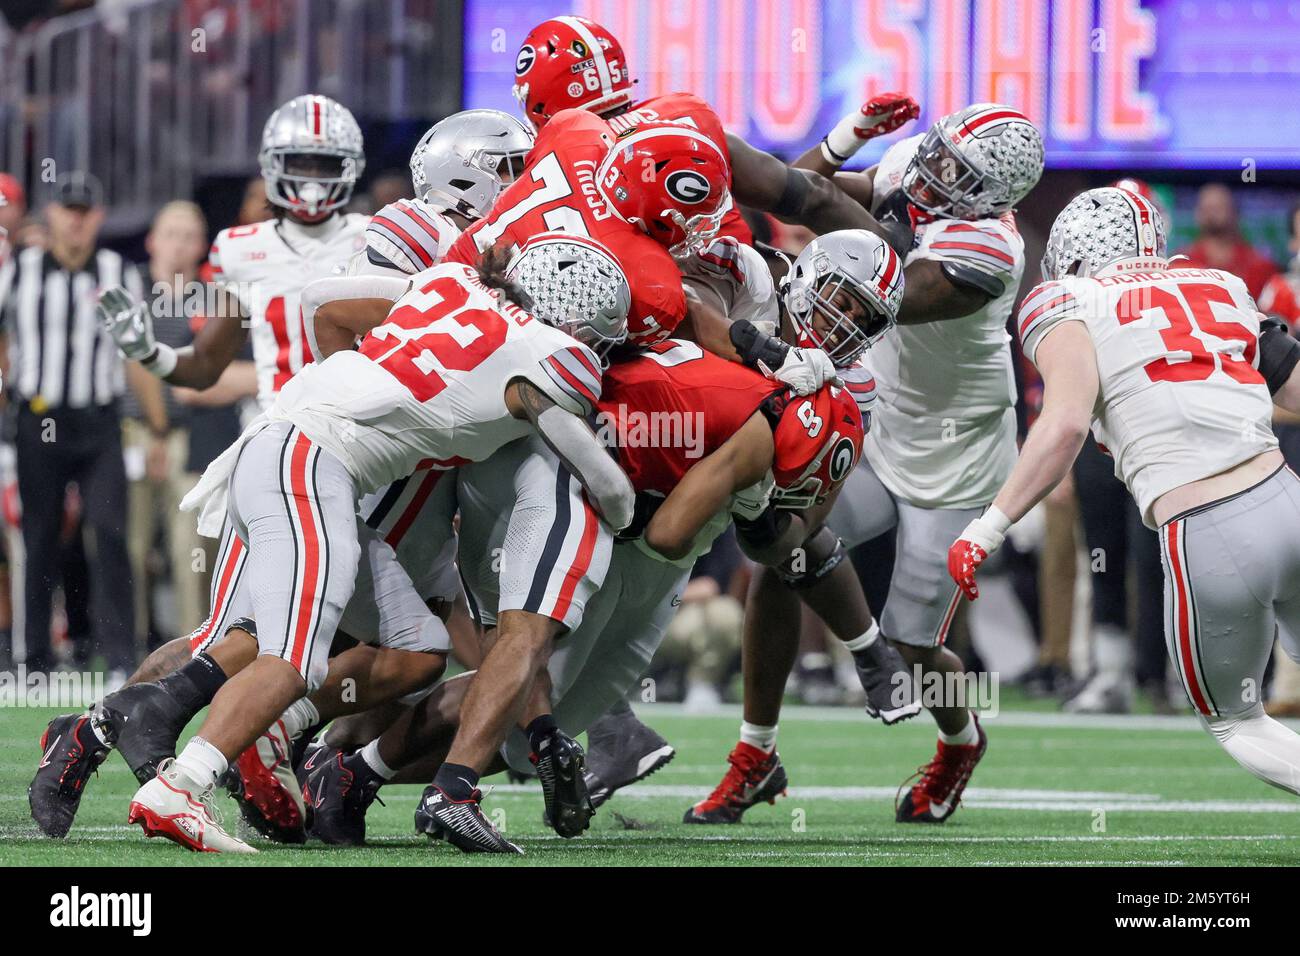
x: 1161, y: 789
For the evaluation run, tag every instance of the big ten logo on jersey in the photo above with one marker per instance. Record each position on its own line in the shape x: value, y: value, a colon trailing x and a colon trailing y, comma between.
x: 443, y: 325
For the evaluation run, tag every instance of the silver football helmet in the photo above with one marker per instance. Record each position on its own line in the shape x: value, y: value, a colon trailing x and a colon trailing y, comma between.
x: 976, y: 163
x: 1102, y: 226
x: 576, y: 286
x: 843, y: 293
x: 463, y: 162
x: 311, y: 156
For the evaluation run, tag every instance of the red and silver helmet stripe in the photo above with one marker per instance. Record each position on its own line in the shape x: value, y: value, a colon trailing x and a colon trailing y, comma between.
x: 1144, y: 221
x: 889, y: 270
x: 315, y: 106
x: 597, y: 52
x: 983, y: 118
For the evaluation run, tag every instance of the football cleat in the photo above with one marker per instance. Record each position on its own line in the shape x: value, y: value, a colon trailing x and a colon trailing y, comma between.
x: 755, y: 776
x: 266, y: 789
x: 309, y: 759
x: 70, y: 753
x: 144, y: 721
x: 560, y: 768
x: 460, y: 822
x: 936, y: 795
x: 620, y: 751
x: 339, y: 791
x: 884, y: 676
x: 174, y: 806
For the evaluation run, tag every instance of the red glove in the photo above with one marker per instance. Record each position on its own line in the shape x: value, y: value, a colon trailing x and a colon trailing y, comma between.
x: 981, y: 538
x: 883, y: 113
x: 886, y: 112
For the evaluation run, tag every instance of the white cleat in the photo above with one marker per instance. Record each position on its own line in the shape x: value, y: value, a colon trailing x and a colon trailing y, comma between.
x: 175, y: 806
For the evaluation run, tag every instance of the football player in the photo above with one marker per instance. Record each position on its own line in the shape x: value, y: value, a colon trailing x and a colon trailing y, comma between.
x: 358, y: 421
x: 755, y: 436
x: 597, y: 663
x: 1177, y: 376
x: 942, y: 436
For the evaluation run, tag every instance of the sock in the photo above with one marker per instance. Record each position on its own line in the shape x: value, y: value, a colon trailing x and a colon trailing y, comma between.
x: 1263, y: 746
x: 756, y: 735
x: 964, y: 737
x: 298, y: 716
x: 539, y: 729
x: 195, y: 684
x: 202, y: 761
x: 865, y: 639
x: 456, y: 781
x: 369, y: 755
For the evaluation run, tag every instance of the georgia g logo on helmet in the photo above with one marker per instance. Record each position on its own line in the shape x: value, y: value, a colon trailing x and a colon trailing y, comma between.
x: 524, y: 61
x: 841, y: 462
x: 687, y: 186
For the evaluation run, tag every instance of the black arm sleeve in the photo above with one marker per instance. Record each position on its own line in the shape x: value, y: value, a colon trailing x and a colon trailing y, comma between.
x: 959, y: 273
x: 1278, y: 353
x: 794, y: 195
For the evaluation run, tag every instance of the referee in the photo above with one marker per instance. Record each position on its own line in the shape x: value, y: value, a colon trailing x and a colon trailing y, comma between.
x: 63, y: 380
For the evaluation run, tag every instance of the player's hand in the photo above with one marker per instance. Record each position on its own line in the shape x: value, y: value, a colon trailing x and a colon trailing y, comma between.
x: 128, y: 322
x: 804, y: 370
x: 884, y: 113
x: 981, y: 538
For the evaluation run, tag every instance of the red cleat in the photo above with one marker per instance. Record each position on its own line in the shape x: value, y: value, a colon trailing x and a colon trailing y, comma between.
x: 755, y: 777
x: 267, y: 790
x: 935, y: 797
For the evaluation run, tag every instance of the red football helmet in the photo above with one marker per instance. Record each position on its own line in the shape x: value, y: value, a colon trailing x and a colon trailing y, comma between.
x: 570, y: 63
x: 671, y: 180
x: 818, y: 440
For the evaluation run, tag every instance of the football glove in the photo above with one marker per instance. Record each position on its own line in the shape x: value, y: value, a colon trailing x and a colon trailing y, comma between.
x: 883, y: 113
x: 981, y: 538
x: 127, y: 321
x: 803, y: 370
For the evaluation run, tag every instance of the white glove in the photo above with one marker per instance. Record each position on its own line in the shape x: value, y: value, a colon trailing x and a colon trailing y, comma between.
x: 751, y: 502
x: 804, y: 370
x: 131, y: 327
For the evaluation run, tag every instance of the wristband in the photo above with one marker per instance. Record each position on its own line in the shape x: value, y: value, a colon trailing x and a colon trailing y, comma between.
x: 843, y: 142
x: 161, y: 361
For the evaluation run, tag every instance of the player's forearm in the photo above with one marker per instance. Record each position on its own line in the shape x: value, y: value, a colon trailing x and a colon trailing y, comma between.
x: 195, y: 369
x: 238, y: 381
x: 813, y: 161
x: 1047, y: 456
x: 930, y: 296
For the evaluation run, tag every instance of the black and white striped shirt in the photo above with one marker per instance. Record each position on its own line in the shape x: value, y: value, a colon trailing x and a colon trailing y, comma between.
x: 58, y: 354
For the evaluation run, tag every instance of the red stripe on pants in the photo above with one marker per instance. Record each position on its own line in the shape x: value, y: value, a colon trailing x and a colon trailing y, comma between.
x: 223, y: 593
x: 311, y: 547
x: 1182, y: 622
x: 586, y: 548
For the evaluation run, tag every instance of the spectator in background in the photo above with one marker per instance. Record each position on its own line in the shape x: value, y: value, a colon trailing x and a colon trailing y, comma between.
x: 65, y: 379
x: 704, y: 636
x: 254, y: 207
x: 1219, y: 243
x: 157, y: 466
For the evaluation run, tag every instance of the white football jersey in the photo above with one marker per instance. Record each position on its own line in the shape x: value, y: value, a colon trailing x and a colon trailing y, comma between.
x: 943, y: 431
x: 1177, y: 357
x: 266, y: 266
x: 427, y: 386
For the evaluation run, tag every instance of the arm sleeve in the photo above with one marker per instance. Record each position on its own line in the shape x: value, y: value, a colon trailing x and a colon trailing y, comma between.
x: 589, y: 461
x: 1046, y: 305
x: 570, y: 377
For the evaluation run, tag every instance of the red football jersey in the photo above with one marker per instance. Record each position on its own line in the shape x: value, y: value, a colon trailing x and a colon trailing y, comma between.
x: 676, y: 404
x: 690, y: 110
x: 557, y: 193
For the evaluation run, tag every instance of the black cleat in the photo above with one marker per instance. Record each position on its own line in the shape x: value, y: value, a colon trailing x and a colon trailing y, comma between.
x: 620, y: 751
x: 460, y: 822
x: 70, y: 753
x: 339, y: 790
x: 560, y: 768
x: 884, y: 676
x: 145, y: 722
